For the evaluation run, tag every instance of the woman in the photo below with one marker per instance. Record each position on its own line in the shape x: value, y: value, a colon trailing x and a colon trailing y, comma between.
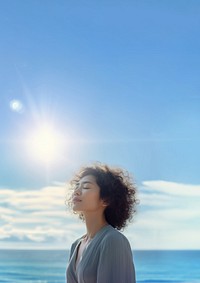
x: 105, y: 199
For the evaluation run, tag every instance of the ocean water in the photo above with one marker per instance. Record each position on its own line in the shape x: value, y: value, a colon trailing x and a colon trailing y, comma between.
x: 167, y: 266
x: 44, y: 266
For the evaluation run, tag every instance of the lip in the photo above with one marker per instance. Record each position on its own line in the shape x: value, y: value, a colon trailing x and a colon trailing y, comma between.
x: 75, y: 199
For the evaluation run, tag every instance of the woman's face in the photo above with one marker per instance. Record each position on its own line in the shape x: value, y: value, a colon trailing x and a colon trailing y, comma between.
x: 86, y: 196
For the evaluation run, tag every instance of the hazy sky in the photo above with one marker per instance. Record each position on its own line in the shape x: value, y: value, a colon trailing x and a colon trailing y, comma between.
x: 116, y: 82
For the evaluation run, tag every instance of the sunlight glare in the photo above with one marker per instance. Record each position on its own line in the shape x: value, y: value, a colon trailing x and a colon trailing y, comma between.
x: 45, y: 144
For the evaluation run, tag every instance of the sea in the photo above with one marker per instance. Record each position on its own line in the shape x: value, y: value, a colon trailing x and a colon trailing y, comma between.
x: 49, y: 266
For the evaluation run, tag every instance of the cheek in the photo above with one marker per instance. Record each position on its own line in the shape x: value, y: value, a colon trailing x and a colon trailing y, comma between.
x: 93, y: 200
x: 92, y: 197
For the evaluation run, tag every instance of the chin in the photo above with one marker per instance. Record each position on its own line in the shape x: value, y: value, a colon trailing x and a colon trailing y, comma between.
x: 75, y: 209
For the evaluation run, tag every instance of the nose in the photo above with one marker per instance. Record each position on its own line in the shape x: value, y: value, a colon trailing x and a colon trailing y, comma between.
x: 77, y: 190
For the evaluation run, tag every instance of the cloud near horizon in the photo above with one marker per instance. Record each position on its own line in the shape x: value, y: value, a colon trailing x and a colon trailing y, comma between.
x: 168, y: 217
x: 35, y: 216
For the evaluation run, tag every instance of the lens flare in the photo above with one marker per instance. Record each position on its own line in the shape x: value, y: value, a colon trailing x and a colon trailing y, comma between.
x: 16, y: 105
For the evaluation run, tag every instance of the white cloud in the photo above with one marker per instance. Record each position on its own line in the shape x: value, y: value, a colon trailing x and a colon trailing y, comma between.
x: 168, y: 217
x: 37, y: 216
x: 6, y: 211
x: 172, y: 188
x: 5, y: 193
x: 37, y: 200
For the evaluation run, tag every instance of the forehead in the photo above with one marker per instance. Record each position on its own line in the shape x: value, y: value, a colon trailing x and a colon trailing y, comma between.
x: 88, y: 179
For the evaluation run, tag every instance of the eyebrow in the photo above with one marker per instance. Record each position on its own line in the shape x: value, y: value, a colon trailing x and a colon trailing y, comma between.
x: 87, y: 182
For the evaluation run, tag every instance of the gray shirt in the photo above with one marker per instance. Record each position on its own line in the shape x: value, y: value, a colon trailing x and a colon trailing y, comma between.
x: 107, y: 259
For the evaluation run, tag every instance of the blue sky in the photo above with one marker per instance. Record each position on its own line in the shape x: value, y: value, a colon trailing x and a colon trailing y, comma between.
x: 116, y: 82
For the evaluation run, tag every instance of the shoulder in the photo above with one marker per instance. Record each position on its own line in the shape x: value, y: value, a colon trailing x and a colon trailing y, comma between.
x: 115, y: 248
x: 113, y: 237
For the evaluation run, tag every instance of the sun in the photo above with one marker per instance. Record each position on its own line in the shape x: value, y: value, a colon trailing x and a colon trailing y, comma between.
x: 45, y: 144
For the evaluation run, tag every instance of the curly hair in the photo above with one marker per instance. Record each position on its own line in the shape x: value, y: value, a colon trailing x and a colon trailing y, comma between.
x: 116, y: 189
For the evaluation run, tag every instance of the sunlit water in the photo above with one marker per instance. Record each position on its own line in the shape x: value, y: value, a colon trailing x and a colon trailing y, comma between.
x: 50, y: 266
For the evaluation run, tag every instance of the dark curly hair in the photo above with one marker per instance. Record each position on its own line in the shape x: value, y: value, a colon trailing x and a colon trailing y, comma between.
x: 116, y: 189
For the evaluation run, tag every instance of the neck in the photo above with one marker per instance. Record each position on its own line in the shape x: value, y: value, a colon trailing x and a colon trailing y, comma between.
x: 94, y: 223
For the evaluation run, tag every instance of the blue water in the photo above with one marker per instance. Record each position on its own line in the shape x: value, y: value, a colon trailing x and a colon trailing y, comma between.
x: 25, y: 266
x: 167, y: 266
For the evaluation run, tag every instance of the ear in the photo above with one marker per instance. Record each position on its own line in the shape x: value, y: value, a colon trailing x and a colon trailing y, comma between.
x: 104, y: 203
